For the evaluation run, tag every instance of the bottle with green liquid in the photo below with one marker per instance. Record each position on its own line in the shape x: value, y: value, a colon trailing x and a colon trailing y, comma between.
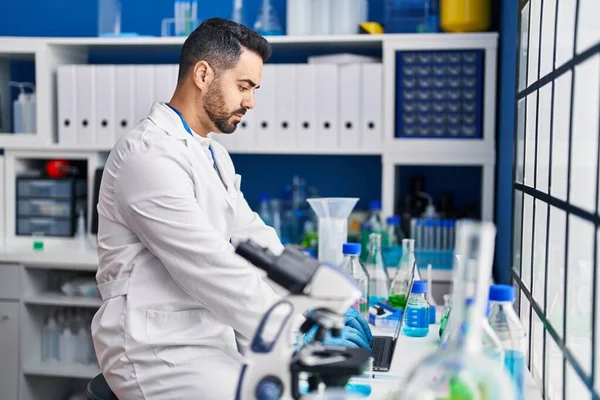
x: 461, y: 370
x: 399, y: 287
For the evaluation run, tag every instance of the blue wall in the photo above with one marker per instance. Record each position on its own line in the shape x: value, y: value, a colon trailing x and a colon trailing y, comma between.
x: 506, y: 116
x: 79, y: 18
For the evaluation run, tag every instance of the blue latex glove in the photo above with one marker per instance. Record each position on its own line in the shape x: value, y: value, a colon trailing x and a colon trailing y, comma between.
x: 353, y: 319
x: 350, y: 338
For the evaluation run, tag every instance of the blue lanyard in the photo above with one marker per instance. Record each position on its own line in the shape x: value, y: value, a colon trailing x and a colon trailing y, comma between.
x: 189, y: 130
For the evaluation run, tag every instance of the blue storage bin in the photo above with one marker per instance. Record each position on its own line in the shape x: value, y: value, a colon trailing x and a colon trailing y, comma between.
x: 45, y: 226
x: 447, y: 82
x: 44, y: 188
x: 44, y: 208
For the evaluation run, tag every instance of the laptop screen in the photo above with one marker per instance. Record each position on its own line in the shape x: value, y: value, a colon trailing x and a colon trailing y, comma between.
x: 411, y: 280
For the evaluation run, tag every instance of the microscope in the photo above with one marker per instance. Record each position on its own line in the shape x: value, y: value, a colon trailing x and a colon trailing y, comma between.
x: 323, y: 293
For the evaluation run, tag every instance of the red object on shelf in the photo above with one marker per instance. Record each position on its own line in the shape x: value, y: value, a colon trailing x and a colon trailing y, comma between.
x: 58, y: 168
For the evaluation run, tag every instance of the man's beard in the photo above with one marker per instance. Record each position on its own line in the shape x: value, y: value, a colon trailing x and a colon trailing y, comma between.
x: 215, y: 108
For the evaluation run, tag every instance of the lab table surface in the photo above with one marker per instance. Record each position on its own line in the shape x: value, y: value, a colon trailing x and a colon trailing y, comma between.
x: 407, y: 355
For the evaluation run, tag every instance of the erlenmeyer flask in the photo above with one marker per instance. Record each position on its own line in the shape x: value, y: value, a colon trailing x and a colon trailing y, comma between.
x: 267, y: 22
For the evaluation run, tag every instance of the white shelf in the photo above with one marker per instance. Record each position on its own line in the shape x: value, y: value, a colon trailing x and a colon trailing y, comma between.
x: 61, y: 300
x: 439, y: 152
x: 58, y: 254
x: 79, y: 371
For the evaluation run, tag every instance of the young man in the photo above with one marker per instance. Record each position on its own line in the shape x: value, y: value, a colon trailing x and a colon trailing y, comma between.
x: 175, y: 293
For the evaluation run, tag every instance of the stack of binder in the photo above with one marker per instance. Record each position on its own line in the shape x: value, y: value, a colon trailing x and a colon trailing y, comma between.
x: 298, y: 106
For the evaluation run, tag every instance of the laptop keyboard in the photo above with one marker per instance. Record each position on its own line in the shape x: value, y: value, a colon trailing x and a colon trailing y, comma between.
x: 378, y: 347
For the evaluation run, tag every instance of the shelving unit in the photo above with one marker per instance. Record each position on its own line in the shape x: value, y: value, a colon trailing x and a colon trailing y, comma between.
x: 39, y: 380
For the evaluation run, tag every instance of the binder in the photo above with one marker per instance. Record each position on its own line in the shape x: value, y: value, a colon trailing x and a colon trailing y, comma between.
x: 67, y: 104
x: 124, y: 101
x: 145, y: 94
x: 349, y: 106
x: 245, y: 134
x: 166, y: 82
x: 86, y: 105
x: 372, y: 104
x: 105, y: 105
x: 306, y: 94
x: 285, y: 106
x: 265, y: 110
x: 327, y: 106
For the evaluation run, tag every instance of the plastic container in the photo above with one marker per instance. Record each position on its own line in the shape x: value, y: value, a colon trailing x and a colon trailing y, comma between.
x: 504, y: 321
x: 465, y: 15
x: 416, y: 315
x: 379, y: 282
x: 267, y: 22
x: 333, y: 215
x: 352, y: 265
x: 410, y: 16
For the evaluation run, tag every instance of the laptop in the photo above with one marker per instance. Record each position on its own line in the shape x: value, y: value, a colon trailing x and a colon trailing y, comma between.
x: 383, y: 346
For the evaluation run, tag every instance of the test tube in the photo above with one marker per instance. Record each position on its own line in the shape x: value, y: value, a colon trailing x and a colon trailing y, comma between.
x: 419, y: 234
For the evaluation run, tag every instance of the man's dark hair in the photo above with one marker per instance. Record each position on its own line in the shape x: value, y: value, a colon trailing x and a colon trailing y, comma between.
x: 219, y: 42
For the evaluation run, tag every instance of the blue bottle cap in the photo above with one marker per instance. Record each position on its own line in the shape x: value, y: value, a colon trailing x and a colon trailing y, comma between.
x: 451, y: 223
x: 428, y: 222
x: 502, y: 293
x: 375, y: 205
x: 418, y: 222
x: 351, y: 248
x: 419, y: 287
x: 264, y: 197
x: 393, y: 220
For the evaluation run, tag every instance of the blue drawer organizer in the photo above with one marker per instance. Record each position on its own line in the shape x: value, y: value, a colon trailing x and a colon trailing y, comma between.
x: 439, y: 94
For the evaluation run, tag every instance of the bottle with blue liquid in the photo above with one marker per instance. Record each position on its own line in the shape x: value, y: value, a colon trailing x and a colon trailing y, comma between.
x: 504, y: 321
x: 416, y: 314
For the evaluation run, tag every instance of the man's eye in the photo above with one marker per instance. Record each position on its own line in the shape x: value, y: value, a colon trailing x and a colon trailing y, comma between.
x: 242, y: 88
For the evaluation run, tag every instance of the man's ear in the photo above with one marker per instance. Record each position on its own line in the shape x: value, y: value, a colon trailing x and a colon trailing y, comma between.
x: 203, y: 74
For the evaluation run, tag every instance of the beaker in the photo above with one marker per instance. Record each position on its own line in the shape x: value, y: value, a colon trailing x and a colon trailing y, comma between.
x: 333, y: 213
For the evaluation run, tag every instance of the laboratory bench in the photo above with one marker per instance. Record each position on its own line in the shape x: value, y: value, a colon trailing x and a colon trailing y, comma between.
x: 407, y: 355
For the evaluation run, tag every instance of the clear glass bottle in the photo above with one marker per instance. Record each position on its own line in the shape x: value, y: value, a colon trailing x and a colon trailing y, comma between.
x: 379, y: 282
x: 506, y: 324
x: 109, y: 17
x: 461, y: 370
x: 352, y: 265
x: 399, y: 286
x: 264, y: 209
x: 373, y: 224
x: 416, y: 314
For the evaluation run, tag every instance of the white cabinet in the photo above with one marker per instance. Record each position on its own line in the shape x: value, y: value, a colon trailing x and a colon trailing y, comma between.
x: 9, y: 350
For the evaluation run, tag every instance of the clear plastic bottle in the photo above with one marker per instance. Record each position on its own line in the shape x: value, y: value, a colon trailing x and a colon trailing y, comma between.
x: 50, y: 335
x: 395, y: 234
x: 491, y: 345
x: 352, y: 265
x: 264, y: 209
x: 399, y: 286
x: 416, y: 314
x: 504, y: 321
x: 379, y: 282
x: 267, y: 21
x: 461, y: 370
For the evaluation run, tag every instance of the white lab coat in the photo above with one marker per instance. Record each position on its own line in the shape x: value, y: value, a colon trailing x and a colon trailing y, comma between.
x: 175, y: 293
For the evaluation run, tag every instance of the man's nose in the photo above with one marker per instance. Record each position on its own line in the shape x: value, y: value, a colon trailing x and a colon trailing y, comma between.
x: 248, y: 102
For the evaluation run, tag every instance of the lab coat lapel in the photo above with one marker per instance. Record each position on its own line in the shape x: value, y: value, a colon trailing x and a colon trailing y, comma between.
x: 167, y: 120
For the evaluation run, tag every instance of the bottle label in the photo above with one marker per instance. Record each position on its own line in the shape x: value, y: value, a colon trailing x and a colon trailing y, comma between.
x: 417, y: 317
